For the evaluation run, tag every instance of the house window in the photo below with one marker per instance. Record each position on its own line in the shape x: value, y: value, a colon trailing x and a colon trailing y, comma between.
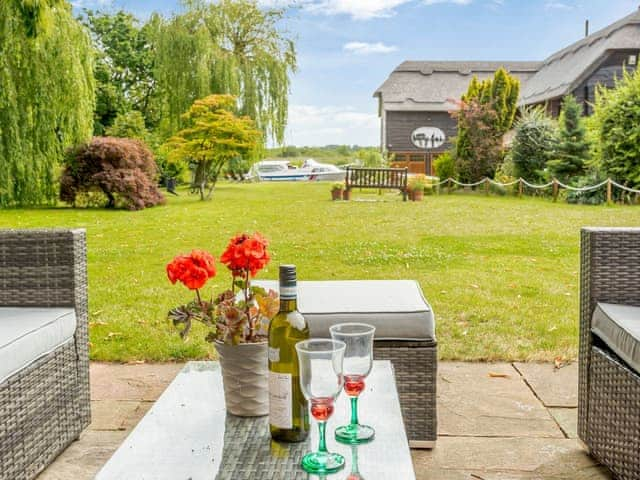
x: 633, y: 59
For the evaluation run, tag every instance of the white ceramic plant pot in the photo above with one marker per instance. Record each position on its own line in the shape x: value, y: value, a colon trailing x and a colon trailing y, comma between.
x: 245, y: 378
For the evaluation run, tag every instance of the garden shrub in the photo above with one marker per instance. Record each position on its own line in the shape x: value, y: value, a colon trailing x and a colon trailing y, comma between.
x: 486, y: 112
x: 533, y: 144
x: 593, y: 197
x: 617, y: 114
x: 122, y: 169
x: 479, y: 143
x: 505, y: 174
x: 237, y: 167
x: 445, y: 166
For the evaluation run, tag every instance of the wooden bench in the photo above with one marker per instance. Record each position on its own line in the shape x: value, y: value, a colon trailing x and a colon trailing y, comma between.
x: 380, y: 178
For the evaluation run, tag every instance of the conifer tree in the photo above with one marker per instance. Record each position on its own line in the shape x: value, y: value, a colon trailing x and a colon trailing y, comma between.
x: 572, y: 151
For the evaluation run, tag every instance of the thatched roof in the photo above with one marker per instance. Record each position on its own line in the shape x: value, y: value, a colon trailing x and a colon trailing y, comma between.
x: 430, y: 85
x: 563, y: 71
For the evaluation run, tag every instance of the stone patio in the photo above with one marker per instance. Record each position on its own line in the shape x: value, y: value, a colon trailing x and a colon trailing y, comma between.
x: 496, y: 422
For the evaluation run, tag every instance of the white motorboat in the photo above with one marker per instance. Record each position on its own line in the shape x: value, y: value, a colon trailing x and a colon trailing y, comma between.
x: 283, y: 171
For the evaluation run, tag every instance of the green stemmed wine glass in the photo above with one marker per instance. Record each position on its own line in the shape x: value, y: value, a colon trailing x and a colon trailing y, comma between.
x: 355, y: 468
x: 321, y: 382
x: 358, y: 361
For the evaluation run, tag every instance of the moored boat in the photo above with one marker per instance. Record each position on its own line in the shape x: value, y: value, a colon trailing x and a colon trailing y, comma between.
x: 284, y: 171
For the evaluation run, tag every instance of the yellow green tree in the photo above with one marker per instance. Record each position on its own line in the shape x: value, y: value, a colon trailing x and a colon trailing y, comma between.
x: 213, y: 136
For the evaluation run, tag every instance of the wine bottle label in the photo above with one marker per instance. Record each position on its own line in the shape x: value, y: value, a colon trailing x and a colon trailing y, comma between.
x: 280, y: 399
x: 288, y: 293
x: 274, y: 354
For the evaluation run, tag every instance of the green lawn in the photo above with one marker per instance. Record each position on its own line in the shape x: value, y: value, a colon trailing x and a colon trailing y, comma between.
x: 501, y: 273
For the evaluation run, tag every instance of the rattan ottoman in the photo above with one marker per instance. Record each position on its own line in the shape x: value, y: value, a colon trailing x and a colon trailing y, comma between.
x: 405, y: 335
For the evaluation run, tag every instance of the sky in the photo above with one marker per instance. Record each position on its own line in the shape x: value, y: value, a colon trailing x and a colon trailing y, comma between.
x: 347, y: 48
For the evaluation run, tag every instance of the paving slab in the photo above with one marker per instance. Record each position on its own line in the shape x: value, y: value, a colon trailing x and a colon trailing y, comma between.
x: 491, y: 428
x: 567, y: 418
x: 83, y: 459
x: 141, y: 382
x: 490, y: 400
x: 457, y: 458
x: 555, y: 387
x: 112, y: 414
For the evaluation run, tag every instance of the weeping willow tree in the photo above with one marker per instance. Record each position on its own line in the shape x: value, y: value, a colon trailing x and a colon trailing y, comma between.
x: 230, y: 47
x: 46, y: 96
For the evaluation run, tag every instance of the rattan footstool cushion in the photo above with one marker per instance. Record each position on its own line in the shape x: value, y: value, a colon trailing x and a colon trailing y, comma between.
x: 397, y: 308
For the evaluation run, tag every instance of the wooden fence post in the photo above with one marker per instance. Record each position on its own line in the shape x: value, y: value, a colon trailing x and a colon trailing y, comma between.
x: 449, y: 185
x: 555, y: 190
x: 486, y: 186
x: 520, y: 187
x: 609, y: 192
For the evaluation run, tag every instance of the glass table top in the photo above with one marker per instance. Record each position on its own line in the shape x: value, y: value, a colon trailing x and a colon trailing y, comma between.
x: 187, y: 435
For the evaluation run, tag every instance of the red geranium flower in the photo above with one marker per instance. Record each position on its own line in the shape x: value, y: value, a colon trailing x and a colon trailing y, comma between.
x: 192, y: 270
x: 246, y: 253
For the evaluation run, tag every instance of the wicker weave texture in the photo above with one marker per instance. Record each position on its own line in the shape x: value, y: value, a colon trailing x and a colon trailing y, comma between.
x: 44, y: 407
x: 614, y: 415
x: 610, y: 273
x: 415, y: 366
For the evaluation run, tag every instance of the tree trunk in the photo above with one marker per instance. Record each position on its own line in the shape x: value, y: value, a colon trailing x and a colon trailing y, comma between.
x: 111, y: 200
x: 214, y: 179
x: 200, y: 179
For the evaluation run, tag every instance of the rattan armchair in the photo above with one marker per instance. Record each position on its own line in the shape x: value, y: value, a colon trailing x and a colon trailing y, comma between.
x: 609, y: 389
x: 45, y: 406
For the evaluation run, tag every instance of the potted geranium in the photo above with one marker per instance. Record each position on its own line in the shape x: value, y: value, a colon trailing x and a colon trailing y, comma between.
x: 336, y: 191
x: 237, y: 319
x: 416, y: 186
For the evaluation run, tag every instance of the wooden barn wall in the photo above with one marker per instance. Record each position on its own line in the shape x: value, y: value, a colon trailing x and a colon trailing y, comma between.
x: 605, y: 75
x: 400, y: 125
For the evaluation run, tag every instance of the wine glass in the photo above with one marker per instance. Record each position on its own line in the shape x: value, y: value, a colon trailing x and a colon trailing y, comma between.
x: 355, y: 468
x: 358, y: 361
x: 321, y: 382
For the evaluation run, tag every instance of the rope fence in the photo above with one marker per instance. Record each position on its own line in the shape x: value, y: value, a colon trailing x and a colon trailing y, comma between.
x: 555, y: 185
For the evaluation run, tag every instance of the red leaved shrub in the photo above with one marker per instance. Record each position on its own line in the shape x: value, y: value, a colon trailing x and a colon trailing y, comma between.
x: 123, y: 169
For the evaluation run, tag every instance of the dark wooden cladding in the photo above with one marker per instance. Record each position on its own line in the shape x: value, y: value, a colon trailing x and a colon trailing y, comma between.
x: 400, y: 125
x: 381, y: 178
x: 605, y: 74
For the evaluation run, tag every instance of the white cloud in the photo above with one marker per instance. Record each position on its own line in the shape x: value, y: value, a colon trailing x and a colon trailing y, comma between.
x: 331, y: 125
x: 552, y: 5
x: 364, y: 48
x: 358, y: 9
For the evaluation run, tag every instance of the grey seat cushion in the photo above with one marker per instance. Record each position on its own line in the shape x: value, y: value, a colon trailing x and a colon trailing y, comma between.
x: 27, y: 334
x: 397, y: 308
x: 619, y: 327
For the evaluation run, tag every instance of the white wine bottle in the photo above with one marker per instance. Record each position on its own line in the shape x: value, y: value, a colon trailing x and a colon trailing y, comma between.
x: 288, y: 409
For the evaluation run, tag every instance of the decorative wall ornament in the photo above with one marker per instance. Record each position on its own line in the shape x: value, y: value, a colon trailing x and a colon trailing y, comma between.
x: 427, y: 138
